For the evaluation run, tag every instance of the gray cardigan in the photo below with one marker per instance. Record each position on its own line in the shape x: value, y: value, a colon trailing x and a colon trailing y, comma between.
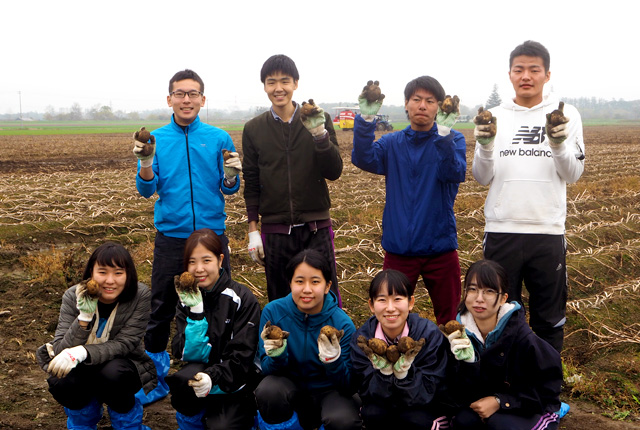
x: 125, y: 340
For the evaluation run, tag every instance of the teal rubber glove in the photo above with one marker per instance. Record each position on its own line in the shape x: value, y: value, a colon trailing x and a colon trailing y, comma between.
x: 85, y: 302
x: 370, y: 99
x: 313, y: 119
x: 379, y: 363
x: 461, y: 346
x: 188, y: 292
x: 556, y: 126
x: 448, y: 113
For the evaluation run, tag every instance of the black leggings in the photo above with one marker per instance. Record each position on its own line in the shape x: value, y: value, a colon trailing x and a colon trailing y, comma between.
x: 115, y: 383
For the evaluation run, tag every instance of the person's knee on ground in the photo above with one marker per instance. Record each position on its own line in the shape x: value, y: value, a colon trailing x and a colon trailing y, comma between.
x: 274, y: 399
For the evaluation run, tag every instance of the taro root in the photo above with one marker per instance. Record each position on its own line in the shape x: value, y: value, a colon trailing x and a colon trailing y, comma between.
x: 450, y: 104
x: 226, y: 154
x: 378, y: 346
x: 372, y: 92
x: 450, y: 327
x: 308, y: 109
x: 330, y: 331
x: 557, y: 116
x: 187, y: 282
x: 393, y: 353
x: 274, y: 332
x: 405, y: 344
x: 144, y: 136
x: 92, y: 287
x: 484, y: 117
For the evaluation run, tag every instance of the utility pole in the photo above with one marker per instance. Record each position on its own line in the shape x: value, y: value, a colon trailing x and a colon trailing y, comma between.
x: 20, y: 98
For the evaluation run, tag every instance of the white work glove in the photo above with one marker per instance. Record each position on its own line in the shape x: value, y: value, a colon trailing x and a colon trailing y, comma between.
x: 232, y: 166
x: 144, y: 151
x: 66, y: 361
x: 461, y: 346
x: 402, y: 366
x: 189, y: 296
x: 201, y: 384
x: 256, y: 249
x: 556, y: 126
x: 273, y: 347
x: 379, y: 362
x: 85, y: 302
x: 328, y: 349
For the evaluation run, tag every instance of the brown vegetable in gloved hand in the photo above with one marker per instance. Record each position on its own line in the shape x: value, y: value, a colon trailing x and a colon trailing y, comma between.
x: 450, y: 104
x: 450, y: 327
x: 393, y: 353
x: 372, y: 92
x: 308, y: 109
x: 143, y: 135
x: 557, y: 116
x: 330, y: 331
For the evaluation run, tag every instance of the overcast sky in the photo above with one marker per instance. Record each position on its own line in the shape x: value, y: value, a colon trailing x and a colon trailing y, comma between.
x: 123, y: 53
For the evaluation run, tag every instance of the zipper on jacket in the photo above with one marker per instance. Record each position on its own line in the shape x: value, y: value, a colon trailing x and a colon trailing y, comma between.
x: 186, y: 142
x: 288, y: 147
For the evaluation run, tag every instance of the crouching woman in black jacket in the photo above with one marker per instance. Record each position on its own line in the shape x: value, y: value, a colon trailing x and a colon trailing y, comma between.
x: 507, y: 377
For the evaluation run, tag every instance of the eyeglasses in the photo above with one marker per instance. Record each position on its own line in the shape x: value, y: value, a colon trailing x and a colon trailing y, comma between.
x: 487, y: 293
x: 181, y: 94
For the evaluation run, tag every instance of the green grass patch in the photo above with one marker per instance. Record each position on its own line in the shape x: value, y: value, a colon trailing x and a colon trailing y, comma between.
x: 45, y: 128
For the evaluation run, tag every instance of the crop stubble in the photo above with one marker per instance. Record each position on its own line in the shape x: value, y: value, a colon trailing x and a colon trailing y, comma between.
x: 61, y: 195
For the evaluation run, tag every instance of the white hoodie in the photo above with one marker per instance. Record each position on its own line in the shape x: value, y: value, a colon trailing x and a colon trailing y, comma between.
x: 528, y: 177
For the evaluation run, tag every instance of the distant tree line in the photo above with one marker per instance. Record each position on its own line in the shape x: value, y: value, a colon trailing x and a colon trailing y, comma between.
x: 590, y: 108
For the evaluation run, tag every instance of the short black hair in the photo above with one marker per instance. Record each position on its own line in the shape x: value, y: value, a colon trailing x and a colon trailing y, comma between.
x: 115, y: 255
x: 186, y: 74
x: 279, y: 63
x: 395, y: 282
x: 531, y: 48
x: 314, y: 259
x: 426, y: 83
x: 488, y: 274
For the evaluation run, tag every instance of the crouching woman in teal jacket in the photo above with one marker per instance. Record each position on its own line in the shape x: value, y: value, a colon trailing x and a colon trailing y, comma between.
x: 96, y: 355
x: 216, y: 338
x: 307, y: 382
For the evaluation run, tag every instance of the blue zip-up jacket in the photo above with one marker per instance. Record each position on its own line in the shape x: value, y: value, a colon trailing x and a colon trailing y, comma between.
x: 423, y: 171
x: 188, y: 178
x: 514, y: 364
x: 299, y: 361
x: 425, y: 381
x: 224, y: 336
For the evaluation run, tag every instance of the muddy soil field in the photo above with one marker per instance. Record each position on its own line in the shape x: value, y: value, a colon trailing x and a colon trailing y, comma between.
x: 60, y: 196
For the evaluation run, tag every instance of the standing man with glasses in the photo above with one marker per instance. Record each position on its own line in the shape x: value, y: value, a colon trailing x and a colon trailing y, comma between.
x: 187, y: 170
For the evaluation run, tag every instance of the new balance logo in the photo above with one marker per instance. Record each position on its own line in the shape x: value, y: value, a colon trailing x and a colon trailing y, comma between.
x: 529, y: 136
